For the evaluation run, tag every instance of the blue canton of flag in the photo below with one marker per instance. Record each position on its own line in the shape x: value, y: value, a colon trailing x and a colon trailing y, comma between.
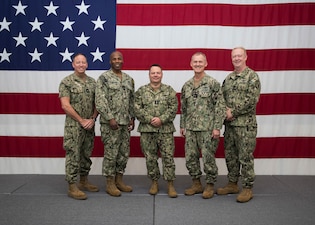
x: 45, y: 34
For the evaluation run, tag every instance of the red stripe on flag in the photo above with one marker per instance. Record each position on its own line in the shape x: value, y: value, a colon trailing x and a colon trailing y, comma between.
x: 215, y: 14
x: 219, y: 59
x: 30, y: 103
x: 286, y: 103
x: 269, y: 104
x: 279, y: 147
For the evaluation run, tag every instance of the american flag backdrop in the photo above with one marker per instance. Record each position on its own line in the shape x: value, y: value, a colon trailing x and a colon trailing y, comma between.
x: 38, y: 39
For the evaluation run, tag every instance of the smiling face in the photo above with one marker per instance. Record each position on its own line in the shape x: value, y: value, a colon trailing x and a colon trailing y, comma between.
x: 239, y: 58
x: 155, y: 75
x: 79, y: 64
x: 116, y: 61
x: 198, y: 63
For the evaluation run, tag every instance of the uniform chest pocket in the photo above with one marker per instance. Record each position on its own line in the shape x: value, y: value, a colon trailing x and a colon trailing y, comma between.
x: 164, y: 97
x: 204, y: 94
x: 127, y: 86
x: 76, y: 94
x: 76, y: 90
x: 114, y: 85
x: 242, y: 86
x: 204, y: 91
x: 188, y: 93
x: 147, y: 100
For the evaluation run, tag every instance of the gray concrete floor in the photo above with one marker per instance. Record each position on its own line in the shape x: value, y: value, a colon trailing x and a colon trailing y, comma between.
x: 42, y: 199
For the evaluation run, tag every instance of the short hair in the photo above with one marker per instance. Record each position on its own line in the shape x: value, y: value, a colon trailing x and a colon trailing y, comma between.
x: 240, y: 47
x: 199, y: 53
x: 114, y: 52
x: 77, y: 54
x: 155, y: 64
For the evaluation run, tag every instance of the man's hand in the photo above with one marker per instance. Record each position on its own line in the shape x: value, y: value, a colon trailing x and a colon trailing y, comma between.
x: 87, y: 124
x: 131, y: 125
x: 215, y: 134
x: 156, y: 122
x: 229, y: 116
x: 182, y: 131
x: 113, y: 124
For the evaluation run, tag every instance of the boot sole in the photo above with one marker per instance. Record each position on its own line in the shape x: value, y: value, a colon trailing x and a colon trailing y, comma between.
x: 244, y: 201
x: 77, y: 198
x: 231, y: 192
x: 118, y: 195
x: 197, y: 192
x: 172, y: 196
x: 89, y: 190
x: 124, y: 190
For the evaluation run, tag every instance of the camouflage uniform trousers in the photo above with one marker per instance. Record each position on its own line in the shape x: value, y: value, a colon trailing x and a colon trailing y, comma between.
x: 239, y: 145
x: 78, y: 144
x: 201, y: 142
x: 151, y: 143
x: 116, y: 149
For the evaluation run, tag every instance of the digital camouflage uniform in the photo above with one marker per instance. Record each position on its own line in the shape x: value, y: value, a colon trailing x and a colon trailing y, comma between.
x: 77, y: 141
x: 163, y: 104
x: 202, y: 111
x: 241, y: 93
x: 115, y: 99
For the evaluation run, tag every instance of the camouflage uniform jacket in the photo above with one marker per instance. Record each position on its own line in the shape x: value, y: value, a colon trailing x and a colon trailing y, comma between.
x: 115, y: 97
x: 162, y: 103
x: 202, y: 107
x: 81, y: 94
x: 241, y: 93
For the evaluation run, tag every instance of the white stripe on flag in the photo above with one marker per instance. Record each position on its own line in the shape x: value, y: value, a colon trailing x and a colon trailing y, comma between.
x: 52, y: 126
x: 301, y: 81
x: 216, y: 37
x: 136, y: 166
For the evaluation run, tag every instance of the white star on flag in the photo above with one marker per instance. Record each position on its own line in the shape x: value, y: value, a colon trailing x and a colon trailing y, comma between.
x: 5, y: 55
x: 35, y: 55
x: 5, y: 25
x: 83, y: 8
x: 51, y: 40
x: 97, y: 55
x: 98, y: 23
x: 19, y: 8
x: 82, y: 39
x: 36, y: 25
x: 67, y: 24
x: 51, y: 32
x: 51, y: 9
x: 66, y: 55
x: 20, y: 40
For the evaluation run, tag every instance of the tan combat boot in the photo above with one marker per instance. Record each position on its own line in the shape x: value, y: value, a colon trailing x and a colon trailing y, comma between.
x: 196, y: 188
x: 121, y: 185
x: 208, y: 191
x: 230, y: 188
x: 171, y: 190
x: 84, y: 185
x: 75, y: 193
x: 154, y: 189
x: 111, y: 188
x: 245, y: 195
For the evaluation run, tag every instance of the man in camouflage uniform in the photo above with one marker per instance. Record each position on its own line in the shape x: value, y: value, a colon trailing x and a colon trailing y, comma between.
x: 241, y: 90
x: 77, y: 93
x: 114, y: 101
x: 155, y: 107
x: 202, y: 115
